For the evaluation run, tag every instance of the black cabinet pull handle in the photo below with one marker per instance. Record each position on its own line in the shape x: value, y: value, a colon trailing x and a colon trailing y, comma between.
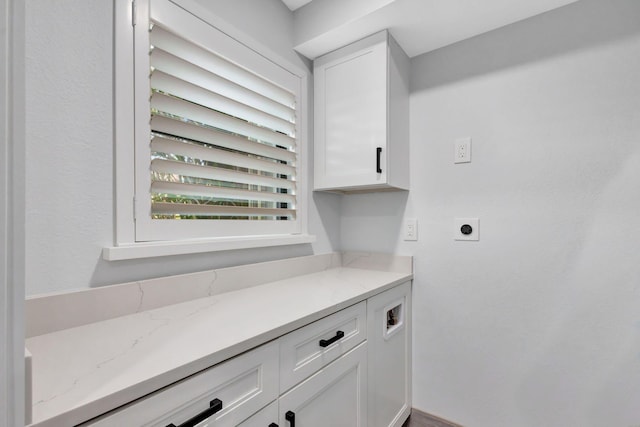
x: 214, y: 406
x: 291, y: 417
x: 273, y: 425
x: 326, y: 343
x: 378, y: 152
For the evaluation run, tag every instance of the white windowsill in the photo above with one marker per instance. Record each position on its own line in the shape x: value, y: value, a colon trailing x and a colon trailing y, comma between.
x: 157, y: 249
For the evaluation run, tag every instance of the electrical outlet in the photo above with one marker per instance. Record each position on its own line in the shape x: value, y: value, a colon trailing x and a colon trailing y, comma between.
x: 411, y: 229
x: 462, y: 150
x: 466, y: 229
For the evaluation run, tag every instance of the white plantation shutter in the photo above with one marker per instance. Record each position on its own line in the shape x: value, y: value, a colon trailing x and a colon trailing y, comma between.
x: 217, y: 155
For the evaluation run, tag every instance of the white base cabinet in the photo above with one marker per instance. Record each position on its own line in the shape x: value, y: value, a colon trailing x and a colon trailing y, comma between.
x: 349, y: 369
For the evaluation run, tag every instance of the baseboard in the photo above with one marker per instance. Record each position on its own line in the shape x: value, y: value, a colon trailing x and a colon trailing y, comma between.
x: 423, y: 419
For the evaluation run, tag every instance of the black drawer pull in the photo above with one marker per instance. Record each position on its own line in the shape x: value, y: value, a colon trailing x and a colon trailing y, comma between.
x: 273, y: 425
x: 326, y: 343
x: 291, y: 417
x: 378, y: 152
x: 214, y: 406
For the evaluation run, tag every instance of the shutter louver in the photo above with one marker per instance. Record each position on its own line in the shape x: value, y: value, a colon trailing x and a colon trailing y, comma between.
x: 223, y: 139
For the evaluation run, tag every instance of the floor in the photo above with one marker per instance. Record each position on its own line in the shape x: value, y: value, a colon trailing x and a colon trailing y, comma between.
x: 421, y: 419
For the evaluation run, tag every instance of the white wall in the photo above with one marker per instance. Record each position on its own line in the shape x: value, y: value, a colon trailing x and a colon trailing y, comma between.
x: 69, y: 213
x: 538, y: 323
x: 269, y: 22
x: 12, y: 367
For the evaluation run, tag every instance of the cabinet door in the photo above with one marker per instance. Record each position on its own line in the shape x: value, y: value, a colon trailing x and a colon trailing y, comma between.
x: 335, y: 396
x: 351, y: 119
x: 389, y: 356
x: 266, y: 417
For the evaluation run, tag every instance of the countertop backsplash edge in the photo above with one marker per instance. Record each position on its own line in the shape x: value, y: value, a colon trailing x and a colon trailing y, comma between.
x: 48, y: 313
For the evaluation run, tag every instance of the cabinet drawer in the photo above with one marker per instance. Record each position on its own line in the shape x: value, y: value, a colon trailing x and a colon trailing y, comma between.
x: 302, y: 353
x: 244, y: 384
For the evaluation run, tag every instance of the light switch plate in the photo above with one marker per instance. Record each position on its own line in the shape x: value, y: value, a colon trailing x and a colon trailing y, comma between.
x: 459, y: 223
x: 462, y: 150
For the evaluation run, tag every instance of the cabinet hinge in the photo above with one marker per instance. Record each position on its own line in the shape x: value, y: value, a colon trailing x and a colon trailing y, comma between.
x: 135, y: 210
x: 133, y: 13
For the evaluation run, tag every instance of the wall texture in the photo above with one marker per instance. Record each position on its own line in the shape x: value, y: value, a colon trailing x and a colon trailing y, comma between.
x: 538, y: 323
x: 268, y: 21
x: 69, y: 172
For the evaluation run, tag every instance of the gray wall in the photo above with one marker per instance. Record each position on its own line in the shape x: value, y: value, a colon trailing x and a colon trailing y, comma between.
x: 69, y: 144
x: 538, y: 323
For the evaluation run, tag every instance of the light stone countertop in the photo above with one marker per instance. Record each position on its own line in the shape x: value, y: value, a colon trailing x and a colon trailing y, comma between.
x: 84, y: 371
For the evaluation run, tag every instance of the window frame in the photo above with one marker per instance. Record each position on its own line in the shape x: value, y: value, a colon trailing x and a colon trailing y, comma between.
x: 125, y: 246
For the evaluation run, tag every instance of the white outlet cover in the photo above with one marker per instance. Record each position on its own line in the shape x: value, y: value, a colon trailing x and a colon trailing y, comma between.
x: 411, y: 229
x: 475, y: 227
x: 462, y: 150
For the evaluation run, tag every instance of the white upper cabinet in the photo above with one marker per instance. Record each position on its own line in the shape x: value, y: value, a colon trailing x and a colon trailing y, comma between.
x: 362, y: 117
